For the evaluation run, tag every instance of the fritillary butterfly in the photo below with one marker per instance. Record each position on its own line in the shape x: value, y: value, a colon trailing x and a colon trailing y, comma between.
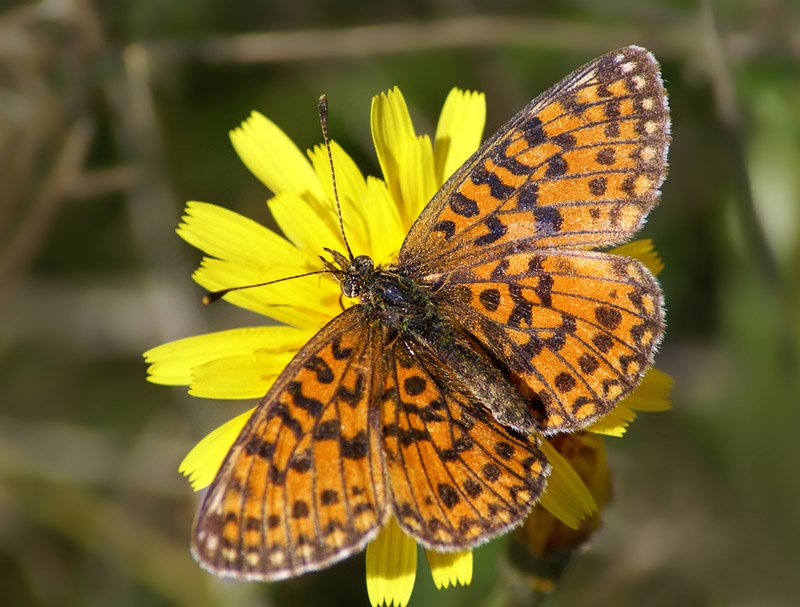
x: 499, y: 323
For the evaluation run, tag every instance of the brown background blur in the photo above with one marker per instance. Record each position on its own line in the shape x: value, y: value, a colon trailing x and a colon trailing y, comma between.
x: 112, y: 114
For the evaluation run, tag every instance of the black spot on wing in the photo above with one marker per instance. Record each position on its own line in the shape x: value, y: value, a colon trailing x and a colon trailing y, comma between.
x: 300, y: 509
x: 462, y: 205
x: 603, y: 342
x: 310, y: 405
x: 565, y: 140
x: 498, y: 189
x: 320, y: 368
x: 414, y: 385
x: 446, y: 227
x: 548, y: 220
x: 608, y: 317
x: 329, y: 497
x: 327, y: 430
x: 490, y: 299
x: 340, y: 353
x: 448, y: 495
x: 527, y: 197
x: 259, y: 447
x: 356, y: 447
x: 556, y: 167
x: 598, y: 185
x: 281, y: 411
x: 606, y: 156
x: 354, y: 396
x: 497, y: 230
x: 533, y: 132
x: 564, y: 382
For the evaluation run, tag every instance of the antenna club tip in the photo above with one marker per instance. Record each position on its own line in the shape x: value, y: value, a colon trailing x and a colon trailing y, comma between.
x: 323, y: 102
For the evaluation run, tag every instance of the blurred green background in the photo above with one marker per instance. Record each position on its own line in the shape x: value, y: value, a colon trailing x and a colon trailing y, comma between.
x: 112, y: 114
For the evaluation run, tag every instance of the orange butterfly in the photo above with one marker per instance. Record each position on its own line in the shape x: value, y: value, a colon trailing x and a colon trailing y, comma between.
x: 497, y: 324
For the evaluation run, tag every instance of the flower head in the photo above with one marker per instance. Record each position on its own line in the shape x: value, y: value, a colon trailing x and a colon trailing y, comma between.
x: 377, y: 213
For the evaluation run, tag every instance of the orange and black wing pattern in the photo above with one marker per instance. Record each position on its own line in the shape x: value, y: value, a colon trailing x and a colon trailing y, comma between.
x: 580, y: 166
x: 457, y: 477
x: 506, y: 242
x: 575, y: 330
x: 304, y: 484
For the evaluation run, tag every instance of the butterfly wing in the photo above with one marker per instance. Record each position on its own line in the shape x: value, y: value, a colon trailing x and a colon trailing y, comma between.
x: 304, y: 484
x: 581, y: 165
x: 504, y: 242
x: 576, y: 330
x: 457, y: 477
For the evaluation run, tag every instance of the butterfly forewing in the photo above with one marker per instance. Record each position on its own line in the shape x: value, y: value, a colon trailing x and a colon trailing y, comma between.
x: 504, y: 241
x: 458, y: 477
x: 303, y: 486
x: 575, y: 329
x: 579, y: 166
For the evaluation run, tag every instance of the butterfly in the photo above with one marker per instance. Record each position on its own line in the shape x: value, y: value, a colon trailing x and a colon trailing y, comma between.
x: 498, y: 324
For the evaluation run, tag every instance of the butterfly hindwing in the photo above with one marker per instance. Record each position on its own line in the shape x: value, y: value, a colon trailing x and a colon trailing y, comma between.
x: 458, y: 478
x: 581, y: 165
x: 575, y: 330
x: 303, y: 486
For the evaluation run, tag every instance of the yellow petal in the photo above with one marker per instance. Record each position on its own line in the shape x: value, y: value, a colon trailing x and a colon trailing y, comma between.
x: 243, y: 376
x: 652, y: 394
x: 227, y: 235
x: 384, y: 226
x: 391, y: 567
x: 566, y: 496
x: 308, y: 302
x: 459, y: 132
x: 307, y: 225
x: 247, y: 253
x: 615, y: 423
x: 416, y: 175
x: 644, y: 251
x: 352, y: 189
x: 272, y: 157
x: 171, y: 363
x: 391, y: 125
x: 202, y: 463
x: 450, y: 568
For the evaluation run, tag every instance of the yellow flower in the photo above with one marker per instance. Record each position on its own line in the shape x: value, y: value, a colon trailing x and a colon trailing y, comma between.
x: 243, y: 363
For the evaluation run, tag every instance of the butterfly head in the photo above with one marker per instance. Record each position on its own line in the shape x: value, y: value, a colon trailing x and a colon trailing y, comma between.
x: 353, y: 274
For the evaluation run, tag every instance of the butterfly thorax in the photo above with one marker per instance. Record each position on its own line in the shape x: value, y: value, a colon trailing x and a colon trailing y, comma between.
x: 389, y: 295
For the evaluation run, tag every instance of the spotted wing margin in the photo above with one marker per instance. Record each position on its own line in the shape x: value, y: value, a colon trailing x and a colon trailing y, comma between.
x: 581, y: 165
x: 574, y: 330
x: 458, y: 477
x: 304, y: 484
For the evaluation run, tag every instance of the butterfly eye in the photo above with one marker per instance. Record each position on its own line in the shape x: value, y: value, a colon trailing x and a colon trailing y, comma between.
x: 348, y: 288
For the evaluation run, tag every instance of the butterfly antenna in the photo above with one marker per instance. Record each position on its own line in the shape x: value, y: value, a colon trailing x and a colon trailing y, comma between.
x: 322, y: 109
x: 213, y: 296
